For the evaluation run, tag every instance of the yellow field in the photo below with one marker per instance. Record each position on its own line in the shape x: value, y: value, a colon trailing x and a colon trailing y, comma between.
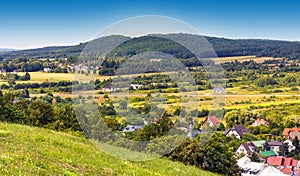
x: 43, y: 76
x: 38, y: 77
x: 245, y: 58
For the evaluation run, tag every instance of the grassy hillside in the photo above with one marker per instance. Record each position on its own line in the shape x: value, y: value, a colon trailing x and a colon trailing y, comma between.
x: 34, y: 151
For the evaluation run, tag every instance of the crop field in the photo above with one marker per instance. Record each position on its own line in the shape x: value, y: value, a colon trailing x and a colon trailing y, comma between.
x: 246, y: 58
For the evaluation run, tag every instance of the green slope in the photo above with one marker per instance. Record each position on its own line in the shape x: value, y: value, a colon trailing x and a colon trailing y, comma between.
x: 33, y: 151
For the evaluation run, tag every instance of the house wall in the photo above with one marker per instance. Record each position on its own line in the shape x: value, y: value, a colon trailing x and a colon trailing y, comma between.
x: 290, y: 144
x: 241, y: 150
x: 276, y: 149
x: 255, y: 123
x: 233, y: 132
x: 210, y: 123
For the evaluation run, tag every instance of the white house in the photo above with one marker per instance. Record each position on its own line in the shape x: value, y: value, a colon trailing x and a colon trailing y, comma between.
x: 259, y: 122
x: 218, y: 89
x: 236, y: 131
x: 257, y: 169
x: 131, y: 128
x: 211, y: 121
x: 136, y: 86
x: 290, y: 144
x: 47, y: 69
x: 108, y: 88
x: 246, y: 148
x: 273, y: 145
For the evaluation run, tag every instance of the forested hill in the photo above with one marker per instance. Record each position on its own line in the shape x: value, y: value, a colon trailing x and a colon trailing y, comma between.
x: 222, y: 46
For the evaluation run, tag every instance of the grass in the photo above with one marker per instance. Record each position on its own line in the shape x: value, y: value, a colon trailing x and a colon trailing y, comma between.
x: 34, y: 151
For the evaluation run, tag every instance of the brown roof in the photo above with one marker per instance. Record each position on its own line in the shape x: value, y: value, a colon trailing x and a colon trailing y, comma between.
x: 239, y: 129
x: 287, y: 131
x: 249, y: 146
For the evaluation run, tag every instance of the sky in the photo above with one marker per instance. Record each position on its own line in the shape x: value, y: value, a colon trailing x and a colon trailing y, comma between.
x: 34, y: 24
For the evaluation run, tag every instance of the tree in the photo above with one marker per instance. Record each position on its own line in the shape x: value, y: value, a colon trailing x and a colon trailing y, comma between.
x: 254, y: 157
x: 291, y: 121
x: 284, y: 150
x: 189, y: 152
x: 27, y: 76
x: 66, y: 119
x: 219, y: 158
x: 295, y: 143
x: 265, y: 81
x: 221, y: 127
x: 41, y: 113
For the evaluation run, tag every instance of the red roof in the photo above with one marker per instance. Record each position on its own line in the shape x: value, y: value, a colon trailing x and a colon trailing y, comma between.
x: 214, y: 120
x: 287, y: 131
x: 287, y: 161
x: 294, y: 162
x: 262, y: 122
x: 274, y: 161
x: 287, y: 170
x: 281, y: 161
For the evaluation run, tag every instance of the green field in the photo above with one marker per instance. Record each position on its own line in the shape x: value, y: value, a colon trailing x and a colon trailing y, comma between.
x: 34, y: 151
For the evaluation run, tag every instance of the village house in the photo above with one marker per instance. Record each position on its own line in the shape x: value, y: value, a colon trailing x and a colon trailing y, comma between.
x: 259, y: 122
x: 267, y: 153
x: 236, y: 131
x: 293, y: 135
x: 218, y: 89
x: 285, y: 165
x: 131, y: 128
x: 246, y: 149
x: 286, y: 132
x: 47, y: 70
x: 84, y: 68
x: 273, y: 145
x: 136, y: 86
x: 77, y: 68
x: 212, y: 121
x: 290, y: 145
x: 108, y: 88
x: 258, y: 169
x: 259, y: 144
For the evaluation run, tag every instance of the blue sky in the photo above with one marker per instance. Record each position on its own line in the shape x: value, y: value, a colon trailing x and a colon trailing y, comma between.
x: 31, y: 24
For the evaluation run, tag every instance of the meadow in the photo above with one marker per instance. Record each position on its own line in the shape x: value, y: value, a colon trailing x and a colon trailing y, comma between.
x: 35, y: 151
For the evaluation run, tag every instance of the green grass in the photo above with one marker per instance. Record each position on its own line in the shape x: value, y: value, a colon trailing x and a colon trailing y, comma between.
x: 34, y: 151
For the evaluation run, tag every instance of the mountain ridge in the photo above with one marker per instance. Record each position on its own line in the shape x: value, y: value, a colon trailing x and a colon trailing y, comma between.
x: 223, y: 47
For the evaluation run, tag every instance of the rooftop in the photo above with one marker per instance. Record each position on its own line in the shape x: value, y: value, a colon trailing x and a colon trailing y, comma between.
x: 259, y: 143
x: 267, y: 153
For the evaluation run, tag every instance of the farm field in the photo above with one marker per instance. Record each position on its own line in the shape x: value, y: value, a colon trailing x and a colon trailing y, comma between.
x: 236, y: 97
x: 245, y: 58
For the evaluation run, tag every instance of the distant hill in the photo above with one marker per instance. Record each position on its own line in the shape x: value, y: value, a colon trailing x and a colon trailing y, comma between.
x: 223, y: 47
x: 7, y: 49
x: 34, y: 151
